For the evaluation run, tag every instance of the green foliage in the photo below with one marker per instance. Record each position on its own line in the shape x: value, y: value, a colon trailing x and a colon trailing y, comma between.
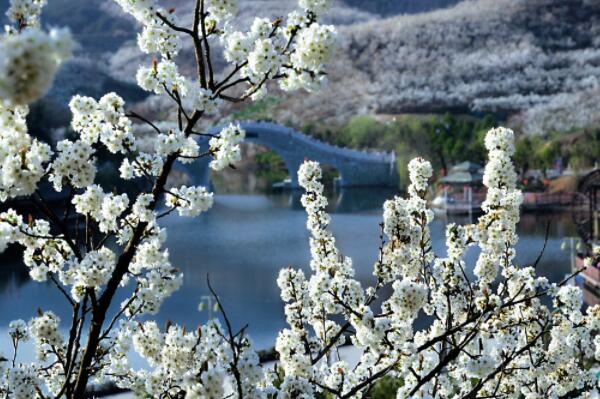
x: 363, y: 132
x: 444, y: 139
x: 585, y: 151
x: 270, y: 167
x: 547, y: 152
x: 260, y: 110
x: 386, y: 388
x: 453, y: 140
x: 578, y: 150
x: 450, y: 139
x: 524, y: 149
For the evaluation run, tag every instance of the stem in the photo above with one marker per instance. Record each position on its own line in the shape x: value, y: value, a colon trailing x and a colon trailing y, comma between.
x: 100, y: 309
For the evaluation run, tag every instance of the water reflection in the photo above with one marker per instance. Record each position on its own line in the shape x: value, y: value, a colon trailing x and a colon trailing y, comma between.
x: 345, y: 200
x: 12, y: 276
x: 245, y: 240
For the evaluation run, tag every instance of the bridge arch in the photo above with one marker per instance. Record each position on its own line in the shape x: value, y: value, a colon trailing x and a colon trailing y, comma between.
x: 356, y: 168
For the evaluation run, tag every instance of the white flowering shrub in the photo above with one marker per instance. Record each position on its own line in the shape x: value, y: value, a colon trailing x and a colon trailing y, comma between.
x: 120, y: 246
x: 487, y: 335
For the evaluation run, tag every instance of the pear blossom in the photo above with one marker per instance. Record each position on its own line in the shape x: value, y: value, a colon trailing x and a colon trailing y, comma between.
x: 225, y: 147
x: 29, y: 62
x: 25, y: 12
x: 221, y: 10
x: 23, y: 159
x: 75, y: 164
x: 314, y: 47
x: 316, y: 6
x: 264, y: 58
x: 190, y: 201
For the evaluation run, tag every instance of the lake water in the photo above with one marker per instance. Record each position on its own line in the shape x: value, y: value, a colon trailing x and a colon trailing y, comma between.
x: 244, y: 241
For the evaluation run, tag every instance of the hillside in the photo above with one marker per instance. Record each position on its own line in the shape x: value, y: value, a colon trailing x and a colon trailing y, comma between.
x: 392, y: 7
x: 536, y: 62
x: 502, y: 56
x: 100, y: 26
x: 533, y: 62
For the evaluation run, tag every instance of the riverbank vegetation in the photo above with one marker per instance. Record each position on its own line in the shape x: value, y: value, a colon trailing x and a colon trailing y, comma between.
x: 446, y: 139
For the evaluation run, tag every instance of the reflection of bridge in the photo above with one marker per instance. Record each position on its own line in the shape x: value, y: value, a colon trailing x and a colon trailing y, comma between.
x: 346, y: 200
x: 356, y: 168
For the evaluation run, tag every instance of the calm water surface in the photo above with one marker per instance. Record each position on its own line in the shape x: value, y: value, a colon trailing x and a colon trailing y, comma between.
x: 244, y: 241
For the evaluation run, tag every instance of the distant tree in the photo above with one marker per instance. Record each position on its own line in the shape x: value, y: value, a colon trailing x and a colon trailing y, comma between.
x: 363, y: 132
x: 524, y: 154
x: 454, y: 140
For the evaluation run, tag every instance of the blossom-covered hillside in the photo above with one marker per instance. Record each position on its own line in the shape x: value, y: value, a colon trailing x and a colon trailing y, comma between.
x: 482, y: 55
x: 536, y: 62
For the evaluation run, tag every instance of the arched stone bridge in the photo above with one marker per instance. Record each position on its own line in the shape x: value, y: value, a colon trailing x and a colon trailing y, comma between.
x: 356, y: 168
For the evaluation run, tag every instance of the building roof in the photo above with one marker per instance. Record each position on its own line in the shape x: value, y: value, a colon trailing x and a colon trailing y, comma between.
x: 466, y: 167
x: 464, y: 173
x: 590, y: 182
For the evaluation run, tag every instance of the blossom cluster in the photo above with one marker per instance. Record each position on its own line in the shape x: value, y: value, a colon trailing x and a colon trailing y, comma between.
x: 93, y: 271
x: 156, y: 36
x: 405, y: 222
x: 103, y: 208
x: 196, y: 362
x: 485, y: 339
x: 190, y: 201
x: 23, y: 158
x: 176, y: 142
x: 43, y: 253
x: 103, y: 121
x: 30, y: 56
x: 226, y: 148
x: 497, y: 229
x: 105, y: 240
x: 487, y: 333
x: 25, y: 12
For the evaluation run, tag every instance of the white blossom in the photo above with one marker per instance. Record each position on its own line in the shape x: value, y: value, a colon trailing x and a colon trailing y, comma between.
x: 17, y: 329
x: 316, y: 6
x: 314, y: 47
x: 74, y: 163
x: 23, y: 159
x: 225, y: 147
x: 25, y: 12
x: 264, y: 58
x: 189, y: 201
x: 443, y: 326
x: 29, y: 62
x: 221, y: 10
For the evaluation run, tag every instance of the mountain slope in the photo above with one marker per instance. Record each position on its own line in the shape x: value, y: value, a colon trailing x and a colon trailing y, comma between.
x: 536, y: 62
x: 392, y: 7
x: 482, y: 55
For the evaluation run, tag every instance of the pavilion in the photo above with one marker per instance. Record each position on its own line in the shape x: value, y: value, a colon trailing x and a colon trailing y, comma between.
x: 463, y: 189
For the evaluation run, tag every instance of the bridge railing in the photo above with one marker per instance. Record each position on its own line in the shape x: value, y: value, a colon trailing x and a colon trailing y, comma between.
x: 368, y: 155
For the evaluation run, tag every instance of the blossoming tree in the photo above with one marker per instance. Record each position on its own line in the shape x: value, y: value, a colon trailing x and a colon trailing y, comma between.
x: 488, y: 334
